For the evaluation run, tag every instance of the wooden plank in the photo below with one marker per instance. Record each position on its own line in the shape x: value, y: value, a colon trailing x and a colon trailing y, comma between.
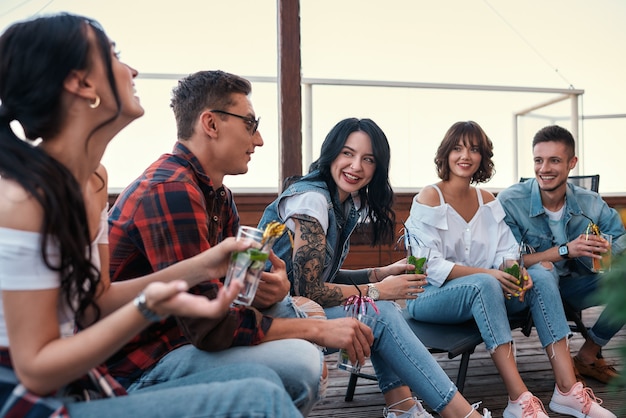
x: 483, y: 381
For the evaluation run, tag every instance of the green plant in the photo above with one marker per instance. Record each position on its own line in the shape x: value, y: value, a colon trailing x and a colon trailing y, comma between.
x: 612, y: 293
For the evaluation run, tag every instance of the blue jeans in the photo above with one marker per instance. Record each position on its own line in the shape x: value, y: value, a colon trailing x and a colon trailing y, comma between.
x: 580, y: 293
x: 480, y: 297
x: 297, y: 362
x: 400, y: 358
x: 234, y: 391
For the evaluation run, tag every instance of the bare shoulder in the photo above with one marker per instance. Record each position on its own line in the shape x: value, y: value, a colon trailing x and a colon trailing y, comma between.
x: 487, y: 196
x: 428, y: 196
x: 18, y: 208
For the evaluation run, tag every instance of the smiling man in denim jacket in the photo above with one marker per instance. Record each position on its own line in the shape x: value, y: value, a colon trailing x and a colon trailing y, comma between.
x: 552, y: 216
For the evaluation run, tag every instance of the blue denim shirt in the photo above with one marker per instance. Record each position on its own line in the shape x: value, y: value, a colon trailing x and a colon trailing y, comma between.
x: 338, y: 234
x: 527, y: 218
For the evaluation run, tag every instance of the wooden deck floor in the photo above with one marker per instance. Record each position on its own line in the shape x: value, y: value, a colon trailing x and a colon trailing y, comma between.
x: 483, y: 382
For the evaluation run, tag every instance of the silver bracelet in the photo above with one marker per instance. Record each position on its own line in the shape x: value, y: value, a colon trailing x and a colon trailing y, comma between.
x: 142, y: 307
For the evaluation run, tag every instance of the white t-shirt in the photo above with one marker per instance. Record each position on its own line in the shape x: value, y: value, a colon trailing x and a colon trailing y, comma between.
x: 312, y: 204
x: 22, y: 268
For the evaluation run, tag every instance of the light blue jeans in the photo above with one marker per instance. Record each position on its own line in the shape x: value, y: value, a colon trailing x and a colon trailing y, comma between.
x: 298, y: 363
x: 234, y: 391
x: 400, y: 358
x: 580, y: 292
x: 480, y: 297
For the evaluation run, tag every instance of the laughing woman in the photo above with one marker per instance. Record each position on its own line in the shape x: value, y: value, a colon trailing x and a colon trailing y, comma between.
x: 350, y: 182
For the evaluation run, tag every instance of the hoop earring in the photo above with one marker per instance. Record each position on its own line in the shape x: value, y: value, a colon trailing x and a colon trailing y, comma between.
x: 95, y: 103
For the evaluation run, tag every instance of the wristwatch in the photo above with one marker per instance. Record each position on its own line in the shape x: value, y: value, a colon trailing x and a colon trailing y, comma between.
x: 142, y: 306
x: 373, y: 292
x: 563, y: 250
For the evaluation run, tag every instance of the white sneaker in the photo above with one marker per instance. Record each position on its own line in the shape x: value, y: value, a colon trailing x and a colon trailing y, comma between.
x: 475, y: 406
x: 526, y: 406
x: 578, y: 402
x: 417, y: 411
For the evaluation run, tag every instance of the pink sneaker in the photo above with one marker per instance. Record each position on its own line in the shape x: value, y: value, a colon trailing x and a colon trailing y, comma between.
x: 578, y: 402
x: 526, y: 406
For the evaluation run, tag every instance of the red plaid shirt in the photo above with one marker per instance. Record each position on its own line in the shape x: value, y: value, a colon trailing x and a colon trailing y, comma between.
x: 17, y: 402
x: 168, y: 214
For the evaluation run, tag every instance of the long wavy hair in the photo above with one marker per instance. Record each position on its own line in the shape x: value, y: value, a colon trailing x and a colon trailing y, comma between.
x: 377, y: 196
x: 36, y: 56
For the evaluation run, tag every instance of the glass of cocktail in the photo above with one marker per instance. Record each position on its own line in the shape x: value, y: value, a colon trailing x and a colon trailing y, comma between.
x: 247, y: 266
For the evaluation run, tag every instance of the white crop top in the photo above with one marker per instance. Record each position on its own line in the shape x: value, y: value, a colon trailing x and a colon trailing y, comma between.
x: 22, y: 268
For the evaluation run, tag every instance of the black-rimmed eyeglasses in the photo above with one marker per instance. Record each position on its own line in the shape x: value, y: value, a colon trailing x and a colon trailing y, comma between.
x: 252, y: 123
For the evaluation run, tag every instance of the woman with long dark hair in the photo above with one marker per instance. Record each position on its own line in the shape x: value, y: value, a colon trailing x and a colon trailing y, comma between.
x: 63, y: 83
x: 348, y: 184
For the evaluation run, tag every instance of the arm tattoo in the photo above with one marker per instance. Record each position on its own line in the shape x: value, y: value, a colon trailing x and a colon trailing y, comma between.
x: 308, y: 263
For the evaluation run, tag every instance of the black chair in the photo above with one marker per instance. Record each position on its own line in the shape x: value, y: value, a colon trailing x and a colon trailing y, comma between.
x: 590, y: 182
x: 457, y: 339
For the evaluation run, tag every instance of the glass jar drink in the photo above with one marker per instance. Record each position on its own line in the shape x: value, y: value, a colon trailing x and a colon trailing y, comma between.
x: 604, y: 264
x: 247, y: 266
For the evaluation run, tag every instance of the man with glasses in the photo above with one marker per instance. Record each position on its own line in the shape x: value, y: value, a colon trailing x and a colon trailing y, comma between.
x: 178, y: 208
x: 253, y: 124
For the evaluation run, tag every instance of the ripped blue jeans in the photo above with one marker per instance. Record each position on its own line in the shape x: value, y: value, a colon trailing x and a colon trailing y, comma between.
x: 399, y: 358
x: 480, y: 297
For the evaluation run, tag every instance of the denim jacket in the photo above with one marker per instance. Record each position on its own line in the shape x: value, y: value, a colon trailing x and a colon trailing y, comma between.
x: 338, y: 234
x: 526, y: 217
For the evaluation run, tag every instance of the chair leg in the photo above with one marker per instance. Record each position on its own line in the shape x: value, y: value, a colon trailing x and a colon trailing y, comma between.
x: 351, y: 387
x: 576, y: 316
x: 528, y: 325
x: 462, y: 373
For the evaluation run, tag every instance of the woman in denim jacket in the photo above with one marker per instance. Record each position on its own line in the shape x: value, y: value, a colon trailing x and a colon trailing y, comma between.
x: 349, y: 183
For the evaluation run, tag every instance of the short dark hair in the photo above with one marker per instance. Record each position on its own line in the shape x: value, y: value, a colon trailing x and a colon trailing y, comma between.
x: 204, y: 90
x: 555, y: 133
x: 466, y: 132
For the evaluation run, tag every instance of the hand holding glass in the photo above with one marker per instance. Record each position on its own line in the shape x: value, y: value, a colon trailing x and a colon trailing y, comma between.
x: 247, y: 266
x: 512, y: 266
x: 343, y: 362
x: 603, y: 265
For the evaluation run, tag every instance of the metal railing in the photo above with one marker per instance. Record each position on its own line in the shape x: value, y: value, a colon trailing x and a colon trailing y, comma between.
x: 310, y: 83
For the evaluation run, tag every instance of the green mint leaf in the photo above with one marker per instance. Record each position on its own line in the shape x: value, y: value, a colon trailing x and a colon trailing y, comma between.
x: 418, y: 263
x: 513, y: 270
